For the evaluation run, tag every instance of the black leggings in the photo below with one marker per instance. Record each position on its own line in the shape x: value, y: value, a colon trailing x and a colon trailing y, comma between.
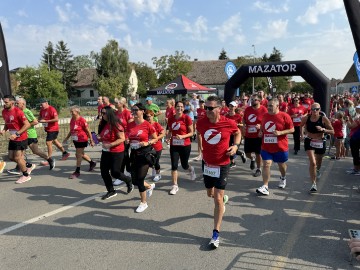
x: 296, y: 136
x: 182, y: 152
x: 110, y: 165
x: 355, y: 147
x: 157, y: 160
x: 139, y: 169
x: 126, y: 161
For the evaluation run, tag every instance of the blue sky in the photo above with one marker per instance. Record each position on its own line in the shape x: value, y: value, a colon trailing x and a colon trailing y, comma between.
x: 314, y: 30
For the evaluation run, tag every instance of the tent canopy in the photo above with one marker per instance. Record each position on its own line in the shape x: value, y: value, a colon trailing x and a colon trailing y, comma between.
x: 180, y: 85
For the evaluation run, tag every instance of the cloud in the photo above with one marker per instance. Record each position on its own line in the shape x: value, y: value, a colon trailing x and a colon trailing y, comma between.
x: 99, y: 15
x: 267, y: 8
x: 320, y: 7
x: 22, y: 13
x: 231, y: 28
x: 274, y: 30
x: 197, y: 30
x: 65, y: 13
x: 150, y: 6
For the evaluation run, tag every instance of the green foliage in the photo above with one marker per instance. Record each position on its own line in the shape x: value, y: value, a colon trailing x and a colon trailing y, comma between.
x: 146, y: 78
x: 39, y: 83
x: 111, y: 86
x: 302, y: 87
x: 168, y: 67
x: 223, y: 55
x: 83, y: 61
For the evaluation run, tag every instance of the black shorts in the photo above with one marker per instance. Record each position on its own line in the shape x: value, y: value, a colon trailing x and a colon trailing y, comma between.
x: 30, y: 141
x: 51, y: 135
x: 252, y: 145
x: 80, y: 144
x: 218, y: 183
x: 18, y: 145
x: 318, y: 151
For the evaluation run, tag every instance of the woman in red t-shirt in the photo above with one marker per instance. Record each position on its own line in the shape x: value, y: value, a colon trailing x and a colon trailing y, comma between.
x: 160, y: 133
x: 112, y: 136
x: 80, y: 134
x: 141, y: 136
x: 338, y: 123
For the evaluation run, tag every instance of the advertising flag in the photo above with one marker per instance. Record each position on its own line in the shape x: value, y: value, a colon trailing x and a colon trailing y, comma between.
x: 357, y: 64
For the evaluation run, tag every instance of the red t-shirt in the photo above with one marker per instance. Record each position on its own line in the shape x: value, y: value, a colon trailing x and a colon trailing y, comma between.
x: 14, y: 121
x: 338, y: 128
x: 169, y: 112
x: 78, y: 130
x: 216, y: 139
x: 108, y: 135
x: 158, y: 129
x: 100, y: 107
x: 179, y: 127
x: 252, y: 117
x: 125, y: 116
x: 49, y: 114
x: 224, y: 110
x: 139, y: 133
x: 200, y: 113
x: 236, y: 117
x: 264, y: 102
x: 283, y: 106
x: 299, y: 111
x: 271, y: 122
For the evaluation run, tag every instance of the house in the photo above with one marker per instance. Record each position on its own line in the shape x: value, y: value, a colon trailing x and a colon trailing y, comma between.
x: 350, y: 83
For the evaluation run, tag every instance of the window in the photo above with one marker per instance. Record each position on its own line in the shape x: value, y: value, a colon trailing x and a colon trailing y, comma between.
x: 91, y: 93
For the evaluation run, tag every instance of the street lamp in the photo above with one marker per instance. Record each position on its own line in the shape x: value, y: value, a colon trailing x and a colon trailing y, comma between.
x: 253, y: 82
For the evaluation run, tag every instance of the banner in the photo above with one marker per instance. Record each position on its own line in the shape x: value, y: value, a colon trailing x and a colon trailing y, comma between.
x: 357, y: 64
x: 230, y: 70
x: 5, y: 86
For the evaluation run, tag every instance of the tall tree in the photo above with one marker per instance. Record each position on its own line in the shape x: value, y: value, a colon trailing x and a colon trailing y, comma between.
x: 223, y: 55
x: 146, y: 78
x: 168, y: 67
x: 83, y: 61
x: 47, y: 57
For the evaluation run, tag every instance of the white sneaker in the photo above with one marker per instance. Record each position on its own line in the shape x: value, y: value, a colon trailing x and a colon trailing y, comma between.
x: 174, y: 189
x: 153, y: 173
x: 192, y: 174
x: 149, y: 191
x: 118, y: 182
x: 127, y: 173
x: 264, y: 190
x: 141, y: 208
x: 157, y: 178
x: 282, y: 183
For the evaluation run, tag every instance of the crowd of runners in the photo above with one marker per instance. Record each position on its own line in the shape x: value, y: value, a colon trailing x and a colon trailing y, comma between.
x: 254, y: 128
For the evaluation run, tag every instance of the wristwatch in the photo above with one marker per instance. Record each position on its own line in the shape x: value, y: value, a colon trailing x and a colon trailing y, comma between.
x: 17, y: 134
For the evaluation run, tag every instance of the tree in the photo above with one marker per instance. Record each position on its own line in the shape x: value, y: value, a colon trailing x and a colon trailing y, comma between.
x: 83, y: 61
x: 168, y: 67
x: 146, y: 78
x: 47, y: 57
x: 223, y: 55
x: 39, y: 82
x: 301, y: 87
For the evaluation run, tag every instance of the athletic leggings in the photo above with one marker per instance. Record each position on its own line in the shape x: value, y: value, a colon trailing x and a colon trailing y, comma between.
x: 182, y: 152
x: 126, y: 161
x: 296, y: 136
x: 157, y: 160
x: 110, y: 165
x: 139, y: 169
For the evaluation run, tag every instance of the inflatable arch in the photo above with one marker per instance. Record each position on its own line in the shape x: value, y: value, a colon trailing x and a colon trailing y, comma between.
x: 313, y: 76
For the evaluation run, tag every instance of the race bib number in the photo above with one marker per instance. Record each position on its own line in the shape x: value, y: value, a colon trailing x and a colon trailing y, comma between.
x: 269, y: 138
x: 178, y: 142
x: 135, y: 145
x: 297, y: 119
x: 213, y: 171
x: 105, y: 149
x: 74, y: 138
x: 252, y: 129
x: 317, y: 143
x: 12, y: 131
x: 45, y: 124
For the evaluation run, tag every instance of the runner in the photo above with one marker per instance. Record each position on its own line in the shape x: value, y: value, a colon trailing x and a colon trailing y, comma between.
x: 296, y: 112
x: 112, y: 136
x: 215, y: 131
x: 100, y: 106
x: 315, y: 143
x: 80, y: 134
x: 252, y: 122
x: 181, y: 130
x: 169, y: 112
x: 49, y: 118
x: 151, y: 106
x: 224, y: 109
x: 141, y: 135
x: 275, y: 126
x: 160, y: 133
x: 201, y: 112
x: 17, y: 124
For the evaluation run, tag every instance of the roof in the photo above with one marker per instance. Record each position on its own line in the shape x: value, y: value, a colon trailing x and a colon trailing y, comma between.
x: 209, y: 72
x: 351, y: 75
x: 85, y: 77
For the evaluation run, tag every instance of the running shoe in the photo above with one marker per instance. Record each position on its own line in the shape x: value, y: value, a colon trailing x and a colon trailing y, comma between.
x: 14, y: 171
x: 65, y: 156
x: 141, y: 208
x: 215, y: 240
x: 149, y: 191
x: 74, y: 175
x: 264, y: 190
x: 23, y: 179
x: 174, y: 190
x: 29, y: 170
x: 353, y: 172
x: 92, y: 166
x: 257, y: 173
x: 232, y: 165
x: 192, y: 174
x: 252, y: 164
x: 157, y: 178
x: 51, y: 164
x: 243, y: 157
x: 282, y: 182
x: 130, y: 188
x: 109, y: 195
x: 127, y: 173
x: 2, y: 166
x: 313, y: 188
x: 44, y: 163
x: 318, y: 174
x: 117, y: 182
x: 199, y: 157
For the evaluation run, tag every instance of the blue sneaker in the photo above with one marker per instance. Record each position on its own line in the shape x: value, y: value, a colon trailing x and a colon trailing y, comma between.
x: 215, y: 240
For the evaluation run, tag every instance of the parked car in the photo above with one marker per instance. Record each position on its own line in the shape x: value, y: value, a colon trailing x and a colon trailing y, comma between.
x: 91, y: 103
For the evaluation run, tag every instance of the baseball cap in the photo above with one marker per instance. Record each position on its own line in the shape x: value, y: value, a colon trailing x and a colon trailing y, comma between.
x: 43, y: 100
x: 149, y: 98
x: 233, y: 103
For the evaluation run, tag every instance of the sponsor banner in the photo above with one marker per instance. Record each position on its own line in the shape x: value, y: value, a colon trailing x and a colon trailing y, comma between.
x: 5, y: 86
x: 279, y: 68
x: 357, y: 65
x: 230, y: 69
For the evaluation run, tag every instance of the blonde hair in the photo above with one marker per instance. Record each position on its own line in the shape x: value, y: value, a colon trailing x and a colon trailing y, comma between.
x: 75, y: 108
x: 121, y: 100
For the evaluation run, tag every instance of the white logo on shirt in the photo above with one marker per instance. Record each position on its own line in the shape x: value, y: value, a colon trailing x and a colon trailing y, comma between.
x: 252, y: 118
x: 139, y: 133
x: 175, y: 126
x: 212, y: 136
x: 11, y: 118
x: 270, y: 126
x: 106, y: 132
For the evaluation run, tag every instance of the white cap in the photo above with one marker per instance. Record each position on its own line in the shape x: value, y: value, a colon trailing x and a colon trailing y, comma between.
x: 233, y: 103
x: 357, y: 107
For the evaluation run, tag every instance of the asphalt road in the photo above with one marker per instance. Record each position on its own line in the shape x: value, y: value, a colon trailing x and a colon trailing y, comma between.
x: 53, y: 222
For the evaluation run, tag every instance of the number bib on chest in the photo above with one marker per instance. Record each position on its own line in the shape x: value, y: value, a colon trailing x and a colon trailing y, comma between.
x: 12, y: 131
x: 178, y: 142
x: 45, y: 125
x: 135, y: 145
x: 213, y: 171
x: 317, y: 143
x: 270, y: 138
x: 297, y: 119
x: 74, y: 137
x: 252, y: 129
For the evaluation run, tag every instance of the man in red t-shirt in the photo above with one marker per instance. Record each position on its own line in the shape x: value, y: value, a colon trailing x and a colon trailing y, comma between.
x: 17, y: 124
x: 275, y: 126
x: 49, y: 118
x: 215, y: 131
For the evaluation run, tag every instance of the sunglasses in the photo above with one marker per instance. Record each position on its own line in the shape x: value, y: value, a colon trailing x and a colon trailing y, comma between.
x: 208, y: 108
x: 296, y: 100
x: 315, y: 109
x: 134, y: 110
x: 244, y: 99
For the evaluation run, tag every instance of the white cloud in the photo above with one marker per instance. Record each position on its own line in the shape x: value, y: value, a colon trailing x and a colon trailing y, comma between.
x: 231, y: 28
x: 268, y: 8
x: 320, y: 7
x: 65, y: 13
x: 274, y: 30
x: 150, y: 6
x: 197, y: 30
x: 97, y: 14
x: 22, y: 13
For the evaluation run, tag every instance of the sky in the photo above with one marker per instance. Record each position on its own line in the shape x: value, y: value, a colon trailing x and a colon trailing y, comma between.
x: 314, y: 30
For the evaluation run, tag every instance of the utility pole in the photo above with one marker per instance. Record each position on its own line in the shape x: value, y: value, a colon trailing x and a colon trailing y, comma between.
x: 253, y: 82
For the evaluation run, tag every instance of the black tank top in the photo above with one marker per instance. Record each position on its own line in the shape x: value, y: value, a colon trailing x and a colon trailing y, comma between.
x: 311, y: 126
